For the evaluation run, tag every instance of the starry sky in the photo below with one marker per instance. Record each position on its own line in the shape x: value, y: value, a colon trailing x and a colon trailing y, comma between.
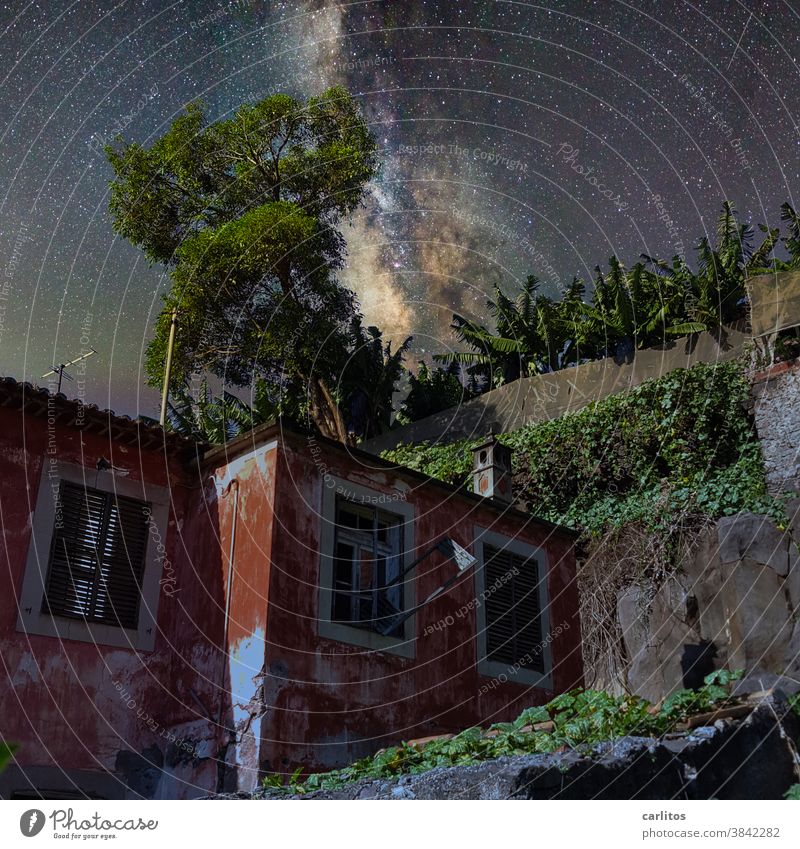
x: 516, y: 138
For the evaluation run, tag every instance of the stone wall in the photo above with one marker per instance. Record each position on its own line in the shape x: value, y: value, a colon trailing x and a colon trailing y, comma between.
x: 734, y: 602
x: 776, y: 407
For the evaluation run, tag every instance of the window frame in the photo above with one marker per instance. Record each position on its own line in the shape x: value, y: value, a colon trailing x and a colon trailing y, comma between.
x: 496, y: 669
x: 32, y: 617
x: 76, y: 555
x: 334, y: 488
x: 363, y: 542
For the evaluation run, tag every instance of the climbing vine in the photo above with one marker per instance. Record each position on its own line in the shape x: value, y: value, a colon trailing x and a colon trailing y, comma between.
x: 682, y: 443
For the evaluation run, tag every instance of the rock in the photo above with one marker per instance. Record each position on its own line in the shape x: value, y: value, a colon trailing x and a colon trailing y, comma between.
x: 749, y: 758
x: 748, y: 536
x: 645, y: 678
x: 402, y: 793
x: 656, y: 670
x: 792, y: 656
x: 743, y: 577
x: 704, y: 578
x: 793, y: 578
x: 632, y: 617
x: 765, y: 681
x: 760, y: 624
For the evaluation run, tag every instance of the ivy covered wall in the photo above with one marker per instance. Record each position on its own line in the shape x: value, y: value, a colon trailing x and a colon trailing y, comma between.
x: 683, y: 443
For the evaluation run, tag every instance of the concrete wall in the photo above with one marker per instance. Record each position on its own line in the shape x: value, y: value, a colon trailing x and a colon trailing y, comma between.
x: 776, y: 407
x: 774, y: 302
x: 548, y: 396
x: 774, y: 306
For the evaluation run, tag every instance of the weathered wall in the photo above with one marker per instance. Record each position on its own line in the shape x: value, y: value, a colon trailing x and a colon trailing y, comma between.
x: 776, y: 407
x: 328, y: 702
x: 212, y: 705
x: 548, y: 396
x: 734, y: 602
x: 93, y: 716
x: 239, y: 524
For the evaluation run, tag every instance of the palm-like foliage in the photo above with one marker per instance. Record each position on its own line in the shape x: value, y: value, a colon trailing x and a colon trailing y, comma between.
x: 432, y: 390
x: 792, y: 241
x: 527, y: 340
x: 643, y: 307
x: 370, y: 380
x: 204, y: 416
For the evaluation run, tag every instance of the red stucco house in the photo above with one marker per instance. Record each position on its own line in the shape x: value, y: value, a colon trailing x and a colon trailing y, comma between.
x: 178, y: 620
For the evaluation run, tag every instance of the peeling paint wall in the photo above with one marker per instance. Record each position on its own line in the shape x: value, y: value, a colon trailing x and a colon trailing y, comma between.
x: 243, y: 499
x: 89, y: 715
x: 329, y: 702
x: 239, y: 681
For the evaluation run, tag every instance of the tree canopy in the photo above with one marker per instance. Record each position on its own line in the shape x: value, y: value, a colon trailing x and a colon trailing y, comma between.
x: 245, y: 212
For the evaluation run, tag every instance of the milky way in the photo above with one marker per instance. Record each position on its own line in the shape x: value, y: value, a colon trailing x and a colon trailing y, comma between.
x: 516, y: 139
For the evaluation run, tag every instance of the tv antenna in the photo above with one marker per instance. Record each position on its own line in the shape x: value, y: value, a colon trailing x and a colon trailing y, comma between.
x: 60, y: 368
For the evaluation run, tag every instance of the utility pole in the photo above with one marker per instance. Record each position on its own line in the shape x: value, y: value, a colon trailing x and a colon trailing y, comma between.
x: 168, y: 368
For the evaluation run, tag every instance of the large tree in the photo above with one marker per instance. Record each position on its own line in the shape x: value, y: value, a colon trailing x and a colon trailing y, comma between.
x: 246, y: 214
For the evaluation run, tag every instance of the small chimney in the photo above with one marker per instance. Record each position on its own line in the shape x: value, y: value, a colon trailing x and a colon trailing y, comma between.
x: 491, y: 470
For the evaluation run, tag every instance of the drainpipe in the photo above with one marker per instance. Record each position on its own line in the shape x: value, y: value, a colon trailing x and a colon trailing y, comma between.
x: 222, y: 765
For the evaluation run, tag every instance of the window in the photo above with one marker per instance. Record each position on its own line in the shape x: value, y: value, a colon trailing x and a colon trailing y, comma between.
x: 367, y: 539
x: 97, y: 556
x: 513, y: 618
x: 367, y: 588
x: 513, y: 611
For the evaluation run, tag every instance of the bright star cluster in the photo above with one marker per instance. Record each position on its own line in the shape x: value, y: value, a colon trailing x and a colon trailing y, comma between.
x: 516, y: 138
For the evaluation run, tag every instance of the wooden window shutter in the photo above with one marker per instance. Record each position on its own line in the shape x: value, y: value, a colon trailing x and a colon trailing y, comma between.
x: 513, y: 609
x: 97, y: 556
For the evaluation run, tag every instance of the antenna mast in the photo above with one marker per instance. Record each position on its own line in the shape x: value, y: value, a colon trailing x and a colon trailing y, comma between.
x: 162, y: 419
x: 60, y: 369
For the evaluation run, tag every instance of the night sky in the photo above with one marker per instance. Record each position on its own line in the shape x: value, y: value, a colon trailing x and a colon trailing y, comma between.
x: 516, y: 138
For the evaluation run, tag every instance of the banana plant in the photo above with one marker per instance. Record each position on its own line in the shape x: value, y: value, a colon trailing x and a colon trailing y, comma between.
x: 370, y: 379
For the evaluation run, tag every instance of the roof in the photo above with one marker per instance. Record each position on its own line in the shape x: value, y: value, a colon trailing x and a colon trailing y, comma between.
x: 281, y: 428
x: 36, y: 401
x: 39, y: 402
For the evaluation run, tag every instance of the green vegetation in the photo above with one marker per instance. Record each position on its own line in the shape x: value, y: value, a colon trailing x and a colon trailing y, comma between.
x: 641, y: 307
x: 575, y: 720
x: 6, y: 753
x: 683, y: 443
x: 432, y: 390
x: 246, y: 214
